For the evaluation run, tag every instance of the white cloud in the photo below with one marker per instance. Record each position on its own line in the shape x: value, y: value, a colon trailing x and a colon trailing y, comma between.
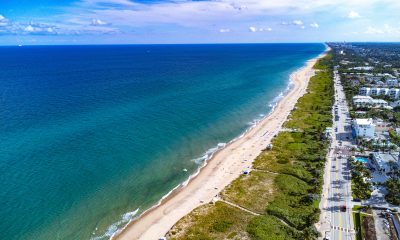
x: 134, y: 17
x: 3, y: 21
x: 353, y: 14
x: 131, y: 15
x: 297, y: 22
x: 29, y: 28
x: 8, y: 27
x: 32, y: 28
x: 106, y: 2
x: 253, y: 29
x: 98, y: 22
x: 391, y: 30
x: 185, y: 13
x: 238, y: 7
x: 373, y: 30
x: 385, y: 30
x: 224, y: 30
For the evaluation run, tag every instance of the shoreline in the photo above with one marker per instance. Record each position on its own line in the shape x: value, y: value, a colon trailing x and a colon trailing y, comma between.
x: 221, y: 167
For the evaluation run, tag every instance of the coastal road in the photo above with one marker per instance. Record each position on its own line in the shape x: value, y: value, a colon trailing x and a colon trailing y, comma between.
x: 336, y: 204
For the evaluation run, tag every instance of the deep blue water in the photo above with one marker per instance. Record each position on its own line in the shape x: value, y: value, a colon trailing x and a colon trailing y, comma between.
x: 89, y: 134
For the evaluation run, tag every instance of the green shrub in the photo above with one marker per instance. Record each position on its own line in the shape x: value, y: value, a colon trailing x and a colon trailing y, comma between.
x: 269, y: 228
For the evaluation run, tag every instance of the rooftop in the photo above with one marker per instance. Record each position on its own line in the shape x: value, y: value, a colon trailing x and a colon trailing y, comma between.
x: 384, y: 158
x: 363, y: 121
x: 361, y: 97
x: 379, y: 101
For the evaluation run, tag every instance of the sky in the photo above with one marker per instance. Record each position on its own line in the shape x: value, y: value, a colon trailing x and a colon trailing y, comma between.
x: 32, y: 22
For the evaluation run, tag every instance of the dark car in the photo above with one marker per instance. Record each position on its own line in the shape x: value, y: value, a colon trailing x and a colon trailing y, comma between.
x: 343, y: 208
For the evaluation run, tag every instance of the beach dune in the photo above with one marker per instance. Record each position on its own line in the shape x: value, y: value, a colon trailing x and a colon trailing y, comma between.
x: 225, y: 166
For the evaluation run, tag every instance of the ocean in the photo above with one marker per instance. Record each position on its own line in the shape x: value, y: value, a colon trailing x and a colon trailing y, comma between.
x: 92, y: 136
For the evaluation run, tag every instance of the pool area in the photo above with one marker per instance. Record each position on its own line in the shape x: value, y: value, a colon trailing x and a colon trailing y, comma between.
x: 361, y: 159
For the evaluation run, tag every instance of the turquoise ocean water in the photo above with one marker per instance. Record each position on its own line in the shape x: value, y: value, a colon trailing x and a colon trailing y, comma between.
x: 91, y: 136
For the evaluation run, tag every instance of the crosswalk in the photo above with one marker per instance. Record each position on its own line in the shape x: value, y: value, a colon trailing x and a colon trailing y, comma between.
x: 343, y: 229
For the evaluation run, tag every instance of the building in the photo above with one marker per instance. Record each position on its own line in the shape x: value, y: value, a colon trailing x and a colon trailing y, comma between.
x: 364, y: 68
x: 361, y: 101
x: 380, y: 103
x: 395, y: 104
x: 380, y: 83
x: 371, y: 78
x: 393, y: 93
x: 383, y: 161
x: 392, y: 82
x: 365, y: 91
x: 363, y: 127
x: 381, y: 126
x: 368, y: 102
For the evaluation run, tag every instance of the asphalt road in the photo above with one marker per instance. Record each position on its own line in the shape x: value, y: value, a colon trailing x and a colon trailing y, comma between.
x: 339, y: 200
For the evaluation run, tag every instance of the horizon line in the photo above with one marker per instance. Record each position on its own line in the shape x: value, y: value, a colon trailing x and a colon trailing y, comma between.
x: 227, y: 43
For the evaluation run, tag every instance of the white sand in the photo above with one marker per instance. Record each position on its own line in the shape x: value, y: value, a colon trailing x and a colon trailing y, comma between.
x: 225, y: 166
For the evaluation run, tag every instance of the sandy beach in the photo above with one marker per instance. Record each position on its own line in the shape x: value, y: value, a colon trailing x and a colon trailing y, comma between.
x: 225, y: 166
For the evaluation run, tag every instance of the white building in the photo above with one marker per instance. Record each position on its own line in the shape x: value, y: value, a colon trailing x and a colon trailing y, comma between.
x: 363, y: 127
x: 367, y: 101
x: 371, y: 78
x: 365, y: 91
x: 382, y: 161
x: 394, y: 93
x: 365, y: 68
x: 374, y: 91
x: 381, y: 126
x: 393, y: 82
x: 395, y: 104
x: 380, y: 103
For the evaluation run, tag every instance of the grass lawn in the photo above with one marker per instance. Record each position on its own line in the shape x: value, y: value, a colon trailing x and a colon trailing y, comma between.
x: 358, y: 218
x: 358, y: 208
x: 357, y: 221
